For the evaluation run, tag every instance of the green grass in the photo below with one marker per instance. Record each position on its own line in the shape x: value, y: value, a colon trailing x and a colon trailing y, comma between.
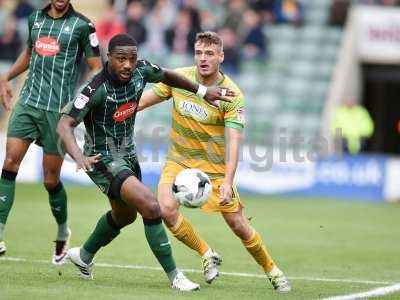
x: 307, y: 238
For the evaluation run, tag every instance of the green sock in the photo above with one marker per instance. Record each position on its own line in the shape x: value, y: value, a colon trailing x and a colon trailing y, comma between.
x: 58, y: 205
x: 7, y: 191
x: 105, y: 231
x: 2, y: 231
x: 160, y: 245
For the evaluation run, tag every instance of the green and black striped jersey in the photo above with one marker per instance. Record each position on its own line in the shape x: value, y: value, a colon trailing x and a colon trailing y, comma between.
x: 57, y: 48
x: 108, y: 109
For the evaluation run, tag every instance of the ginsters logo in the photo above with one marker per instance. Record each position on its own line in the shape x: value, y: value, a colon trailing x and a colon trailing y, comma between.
x: 47, y: 46
x: 193, y: 109
x: 124, y: 112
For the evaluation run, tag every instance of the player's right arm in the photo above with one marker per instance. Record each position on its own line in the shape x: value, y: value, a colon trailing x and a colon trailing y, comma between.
x: 20, y: 66
x: 72, y: 114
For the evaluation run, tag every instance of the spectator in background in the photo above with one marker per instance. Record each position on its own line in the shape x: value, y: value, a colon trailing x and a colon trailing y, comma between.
x: 108, y: 26
x: 159, y: 18
x: 135, y: 21
x: 254, y: 39
x: 235, y: 14
x: 288, y: 11
x: 264, y: 8
x: 23, y: 9
x: 181, y: 36
x: 10, y: 42
x: 355, y: 124
x: 231, y: 64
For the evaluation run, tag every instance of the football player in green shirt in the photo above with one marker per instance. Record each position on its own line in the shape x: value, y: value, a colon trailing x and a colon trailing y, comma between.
x: 58, y: 38
x: 107, y: 105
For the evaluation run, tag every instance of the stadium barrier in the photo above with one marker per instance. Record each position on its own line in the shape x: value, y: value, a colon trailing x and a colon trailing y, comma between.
x: 362, y: 177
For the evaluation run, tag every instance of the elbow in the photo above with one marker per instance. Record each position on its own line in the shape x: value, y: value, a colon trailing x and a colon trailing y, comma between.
x: 61, y: 127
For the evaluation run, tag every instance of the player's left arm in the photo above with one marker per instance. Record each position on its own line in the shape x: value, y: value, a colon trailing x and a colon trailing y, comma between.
x: 232, y: 137
x: 234, y: 123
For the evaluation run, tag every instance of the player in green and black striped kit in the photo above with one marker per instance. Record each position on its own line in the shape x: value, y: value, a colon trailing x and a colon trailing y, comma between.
x: 58, y: 38
x: 107, y: 106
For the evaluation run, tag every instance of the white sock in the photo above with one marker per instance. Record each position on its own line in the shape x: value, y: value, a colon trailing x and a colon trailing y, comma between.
x: 274, y: 272
x: 208, y: 253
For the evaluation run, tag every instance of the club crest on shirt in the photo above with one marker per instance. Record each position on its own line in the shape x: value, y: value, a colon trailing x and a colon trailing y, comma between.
x: 47, y: 46
x: 125, y: 111
x: 193, y: 109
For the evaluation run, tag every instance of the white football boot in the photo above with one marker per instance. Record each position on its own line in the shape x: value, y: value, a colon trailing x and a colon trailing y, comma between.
x: 181, y: 283
x: 211, y: 260
x: 85, y: 270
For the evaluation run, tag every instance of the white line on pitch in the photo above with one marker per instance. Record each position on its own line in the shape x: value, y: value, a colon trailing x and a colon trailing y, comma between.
x: 382, y: 291
x: 235, y: 274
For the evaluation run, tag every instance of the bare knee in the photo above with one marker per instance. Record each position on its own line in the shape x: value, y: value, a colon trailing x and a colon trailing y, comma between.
x: 51, y: 182
x: 12, y: 162
x: 152, y: 209
x: 240, y: 227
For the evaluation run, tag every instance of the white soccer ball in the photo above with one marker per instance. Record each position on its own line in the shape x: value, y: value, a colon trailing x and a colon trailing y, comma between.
x: 192, y: 188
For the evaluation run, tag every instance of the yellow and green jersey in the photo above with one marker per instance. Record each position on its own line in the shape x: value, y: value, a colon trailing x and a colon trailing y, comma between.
x: 57, y: 48
x: 197, y: 138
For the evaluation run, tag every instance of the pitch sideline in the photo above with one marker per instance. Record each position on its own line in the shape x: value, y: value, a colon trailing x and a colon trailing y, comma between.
x: 234, y: 274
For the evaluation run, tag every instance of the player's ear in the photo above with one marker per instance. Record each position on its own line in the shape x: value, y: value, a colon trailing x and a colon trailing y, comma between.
x: 221, y: 57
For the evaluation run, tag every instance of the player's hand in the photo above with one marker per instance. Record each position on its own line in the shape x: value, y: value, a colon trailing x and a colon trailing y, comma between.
x: 5, y: 93
x: 225, y: 193
x: 85, y: 162
x: 215, y: 93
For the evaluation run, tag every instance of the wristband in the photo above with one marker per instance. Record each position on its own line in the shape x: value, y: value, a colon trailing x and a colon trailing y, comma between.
x: 201, y: 91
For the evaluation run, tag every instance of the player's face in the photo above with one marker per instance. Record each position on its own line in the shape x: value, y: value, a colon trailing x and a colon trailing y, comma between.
x: 122, y: 62
x: 208, y: 58
x: 60, y: 5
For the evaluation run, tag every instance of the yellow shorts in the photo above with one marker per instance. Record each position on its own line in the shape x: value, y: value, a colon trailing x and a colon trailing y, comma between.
x: 171, y: 169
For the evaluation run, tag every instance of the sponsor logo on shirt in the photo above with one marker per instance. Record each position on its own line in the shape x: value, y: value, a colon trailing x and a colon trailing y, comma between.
x: 47, y: 46
x: 124, y: 112
x: 193, y: 109
x: 81, y: 101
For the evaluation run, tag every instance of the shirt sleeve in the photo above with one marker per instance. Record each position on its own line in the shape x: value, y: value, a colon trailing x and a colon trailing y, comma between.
x: 162, y: 90
x: 83, y: 103
x: 88, y: 41
x: 149, y: 71
x: 234, y: 112
x: 31, y: 18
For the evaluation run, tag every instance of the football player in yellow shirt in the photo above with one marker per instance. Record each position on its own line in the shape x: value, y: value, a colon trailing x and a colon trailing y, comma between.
x: 207, y: 137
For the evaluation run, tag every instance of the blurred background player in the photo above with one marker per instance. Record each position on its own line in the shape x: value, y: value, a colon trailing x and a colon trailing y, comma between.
x: 58, y: 36
x: 207, y: 137
x: 110, y: 99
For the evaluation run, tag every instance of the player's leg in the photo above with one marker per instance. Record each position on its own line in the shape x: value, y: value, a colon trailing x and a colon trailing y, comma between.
x: 58, y: 203
x: 179, y: 226
x: 253, y: 243
x: 15, y: 151
x: 107, y: 229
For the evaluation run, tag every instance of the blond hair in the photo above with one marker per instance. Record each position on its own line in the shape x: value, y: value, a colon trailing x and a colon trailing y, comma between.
x: 209, y: 38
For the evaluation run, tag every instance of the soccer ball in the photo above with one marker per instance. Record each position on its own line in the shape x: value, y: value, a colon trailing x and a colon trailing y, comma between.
x: 192, y: 188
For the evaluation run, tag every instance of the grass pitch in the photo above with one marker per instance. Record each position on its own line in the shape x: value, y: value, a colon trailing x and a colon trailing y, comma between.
x: 326, y: 247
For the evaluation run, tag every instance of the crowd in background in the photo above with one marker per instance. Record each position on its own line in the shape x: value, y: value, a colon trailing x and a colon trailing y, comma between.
x: 165, y: 27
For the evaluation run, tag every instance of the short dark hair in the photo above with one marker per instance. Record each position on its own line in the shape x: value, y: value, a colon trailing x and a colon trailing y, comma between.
x: 122, y: 39
x: 209, y: 38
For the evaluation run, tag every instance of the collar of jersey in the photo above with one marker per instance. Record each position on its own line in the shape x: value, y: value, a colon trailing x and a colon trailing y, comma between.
x: 66, y: 15
x: 111, y: 78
